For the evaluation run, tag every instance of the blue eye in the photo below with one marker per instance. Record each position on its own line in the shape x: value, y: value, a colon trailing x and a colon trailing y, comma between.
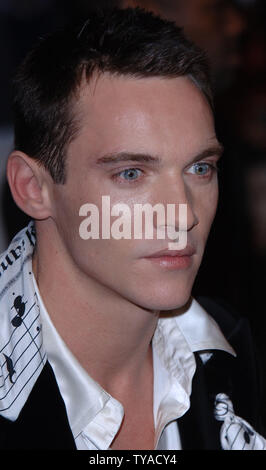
x: 130, y: 174
x: 201, y: 169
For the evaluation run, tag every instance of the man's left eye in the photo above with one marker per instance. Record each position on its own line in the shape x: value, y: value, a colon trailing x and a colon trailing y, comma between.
x: 201, y: 168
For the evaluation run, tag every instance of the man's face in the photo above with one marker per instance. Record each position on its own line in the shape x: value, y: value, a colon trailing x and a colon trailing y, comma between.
x: 169, y: 120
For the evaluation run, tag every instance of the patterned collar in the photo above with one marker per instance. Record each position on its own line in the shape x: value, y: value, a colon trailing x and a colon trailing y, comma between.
x: 22, y: 354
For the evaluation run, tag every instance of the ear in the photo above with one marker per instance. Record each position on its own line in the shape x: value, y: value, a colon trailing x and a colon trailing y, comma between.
x: 29, y: 185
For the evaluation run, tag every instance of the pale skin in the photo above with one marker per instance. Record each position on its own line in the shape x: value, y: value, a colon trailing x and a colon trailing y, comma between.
x: 103, y: 296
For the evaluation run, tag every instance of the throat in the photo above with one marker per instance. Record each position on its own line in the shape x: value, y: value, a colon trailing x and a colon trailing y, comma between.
x: 137, y: 429
x: 109, y: 335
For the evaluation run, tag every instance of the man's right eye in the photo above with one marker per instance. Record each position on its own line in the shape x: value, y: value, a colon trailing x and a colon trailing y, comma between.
x: 130, y: 174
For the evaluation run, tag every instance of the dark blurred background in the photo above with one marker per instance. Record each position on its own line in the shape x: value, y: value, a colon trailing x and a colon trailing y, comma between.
x: 233, y: 32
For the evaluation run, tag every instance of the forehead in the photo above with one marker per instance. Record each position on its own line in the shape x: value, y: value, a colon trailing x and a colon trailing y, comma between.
x: 108, y: 89
x: 121, y: 113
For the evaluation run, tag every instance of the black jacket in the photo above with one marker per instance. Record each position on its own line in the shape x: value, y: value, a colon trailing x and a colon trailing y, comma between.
x: 43, y: 424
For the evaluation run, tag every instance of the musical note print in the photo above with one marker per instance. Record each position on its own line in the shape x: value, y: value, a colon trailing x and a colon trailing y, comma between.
x: 18, y: 320
x: 19, y: 306
x: 10, y: 368
x: 22, y: 353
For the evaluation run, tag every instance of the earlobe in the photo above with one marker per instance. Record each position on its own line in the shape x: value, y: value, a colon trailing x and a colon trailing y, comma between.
x: 28, y: 185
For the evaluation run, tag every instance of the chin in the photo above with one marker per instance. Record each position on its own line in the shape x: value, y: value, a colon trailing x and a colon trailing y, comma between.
x: 165, y: 299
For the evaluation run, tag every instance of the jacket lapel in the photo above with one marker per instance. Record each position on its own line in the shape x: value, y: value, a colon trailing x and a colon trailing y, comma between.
x: 42, y: 423
x: 198, y: 428
x: 223, y: 373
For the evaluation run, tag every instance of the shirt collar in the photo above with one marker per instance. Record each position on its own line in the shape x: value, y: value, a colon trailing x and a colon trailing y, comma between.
x: 175, y: 340
x: 200, y: 330
x: 88, y: 405
x: 94, y: 415
x: 24, y: 355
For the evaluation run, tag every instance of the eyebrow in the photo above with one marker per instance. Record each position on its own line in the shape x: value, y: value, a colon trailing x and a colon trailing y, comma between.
x: 127, y: 156
x: 109, y: 159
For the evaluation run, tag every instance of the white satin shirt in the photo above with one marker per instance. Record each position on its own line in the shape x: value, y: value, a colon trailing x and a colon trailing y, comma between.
x: 95, y: 416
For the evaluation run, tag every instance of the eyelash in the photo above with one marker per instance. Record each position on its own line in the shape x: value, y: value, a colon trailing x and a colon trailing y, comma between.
x: 116, y: 175
x: 212, y: 168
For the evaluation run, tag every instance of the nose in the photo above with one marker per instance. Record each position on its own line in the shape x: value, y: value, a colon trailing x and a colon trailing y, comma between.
x: 179, y: 214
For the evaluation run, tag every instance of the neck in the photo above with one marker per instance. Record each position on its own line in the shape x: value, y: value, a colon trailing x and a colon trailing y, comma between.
x: 109, y: 335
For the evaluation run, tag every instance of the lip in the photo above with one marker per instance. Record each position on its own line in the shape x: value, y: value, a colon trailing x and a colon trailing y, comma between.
x: 173, y: 259
x: 188, y: 251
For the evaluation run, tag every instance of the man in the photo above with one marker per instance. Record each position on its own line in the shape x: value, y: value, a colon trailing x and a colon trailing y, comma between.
x: 100, y: 338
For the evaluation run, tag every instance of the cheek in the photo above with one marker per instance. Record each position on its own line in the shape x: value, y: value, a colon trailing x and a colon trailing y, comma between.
x: 67, y: 218
x: 68, y: 200
x: 67, y: 221
x: 109, y: 263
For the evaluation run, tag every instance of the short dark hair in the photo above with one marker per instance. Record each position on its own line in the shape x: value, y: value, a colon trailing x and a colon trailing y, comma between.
x: 129, y: 41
